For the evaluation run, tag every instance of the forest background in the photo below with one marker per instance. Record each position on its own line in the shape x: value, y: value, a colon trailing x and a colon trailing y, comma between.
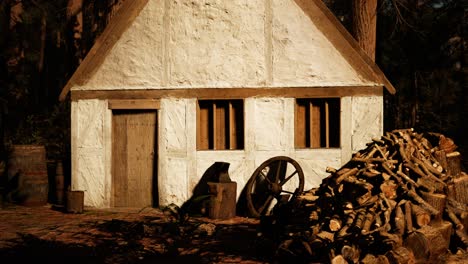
x: 420, y: 47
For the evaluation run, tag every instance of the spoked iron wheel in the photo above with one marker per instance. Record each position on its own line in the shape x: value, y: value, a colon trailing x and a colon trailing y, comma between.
x: 277, y: 179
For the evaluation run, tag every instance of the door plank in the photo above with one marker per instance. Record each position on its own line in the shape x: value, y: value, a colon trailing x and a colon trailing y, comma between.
x: 134, y: 135
x: 119, y: 159
x: 140, y: 146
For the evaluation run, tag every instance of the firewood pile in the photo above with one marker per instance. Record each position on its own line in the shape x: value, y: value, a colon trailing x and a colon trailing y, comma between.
x: 403, y: 199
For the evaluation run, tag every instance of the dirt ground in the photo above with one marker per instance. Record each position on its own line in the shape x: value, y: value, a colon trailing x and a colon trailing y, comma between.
x: 126, y: 235
x: 46, y: 234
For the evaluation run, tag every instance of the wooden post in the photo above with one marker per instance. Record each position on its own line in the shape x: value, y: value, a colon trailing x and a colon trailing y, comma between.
x: 59, y: 183
x: 223, y: 200
x: 75, y: 201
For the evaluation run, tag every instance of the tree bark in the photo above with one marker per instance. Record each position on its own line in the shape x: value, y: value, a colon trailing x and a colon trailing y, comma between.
x: 365, y: 25
x: 74, y: 7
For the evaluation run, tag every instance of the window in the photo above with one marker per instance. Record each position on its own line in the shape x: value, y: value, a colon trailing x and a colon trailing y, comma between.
x: 220, y: 124
x: 317, y: 123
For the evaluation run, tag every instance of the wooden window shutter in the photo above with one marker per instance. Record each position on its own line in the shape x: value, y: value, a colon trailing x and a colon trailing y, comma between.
x: 317, y: 123
x: 220, y: 124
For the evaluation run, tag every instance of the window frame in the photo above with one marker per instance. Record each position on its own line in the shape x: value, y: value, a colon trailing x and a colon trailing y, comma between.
x: 323, y: 134
x: 230, y: 113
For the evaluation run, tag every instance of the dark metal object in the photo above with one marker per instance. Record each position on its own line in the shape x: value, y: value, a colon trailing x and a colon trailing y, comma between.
x: 273, y: 179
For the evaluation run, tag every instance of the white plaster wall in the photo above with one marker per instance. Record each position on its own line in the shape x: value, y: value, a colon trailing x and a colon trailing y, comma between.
x: 91, y: 145
x: 137, y: 58
x: 216, y: 43
x: 269, y: 128
x: 314, y: 163
x: 174, y: 160
x: 273, y: 118
x: 213, y: 43
x: 367, y: 120
x: 302, y: 55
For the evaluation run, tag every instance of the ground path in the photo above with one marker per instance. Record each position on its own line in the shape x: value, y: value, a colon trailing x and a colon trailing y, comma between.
x: 126, y: 235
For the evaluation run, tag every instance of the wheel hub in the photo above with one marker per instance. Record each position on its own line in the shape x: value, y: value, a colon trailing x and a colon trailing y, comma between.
x: 276, y: 188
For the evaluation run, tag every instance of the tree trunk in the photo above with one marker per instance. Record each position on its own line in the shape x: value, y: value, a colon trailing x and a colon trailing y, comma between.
x: 364, y: 25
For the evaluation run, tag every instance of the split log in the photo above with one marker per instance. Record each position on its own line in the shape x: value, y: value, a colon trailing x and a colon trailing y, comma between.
x: 367, y: 200
x: 408, y: 217
x: 446, y: 144
x: 359, y: 222
x: 314, y: 216
x: 458, y: 224
x: 464, y: 221
x: 393, y: 240
x: 445, y: 228
x: 415, y: 197
x: 459, y: 227
x: 339, y: 260
x: 427, y: 244
x: 437, y: 201
x: 406, y: 177
x: 370, y: 216
x: 343, y: 232
x: 460, y: 186
x: 327, y: 236
x: 335, y: 223
x: 389, y: 189
x: 453, y: 164
x: 400, y: 255
x: 371, y: 259
x: 420, y: 215
x: 379, y: 199
x: 346, y: 174
x: 426, y: 185
x: 453, y: 204
x: 427, y: 168
x: 350, y: 253
x: 371, y: 173
x: 430, y: 185
x: 307, y: 247
x: 400, y: 221
x: 441, y: 158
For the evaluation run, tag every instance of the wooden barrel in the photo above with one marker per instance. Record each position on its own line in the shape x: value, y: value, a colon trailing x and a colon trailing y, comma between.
x: 59, y: 184
x: 27, y: 166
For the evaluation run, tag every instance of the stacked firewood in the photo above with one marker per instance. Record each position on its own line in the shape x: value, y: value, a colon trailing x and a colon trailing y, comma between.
x: 403, y: 199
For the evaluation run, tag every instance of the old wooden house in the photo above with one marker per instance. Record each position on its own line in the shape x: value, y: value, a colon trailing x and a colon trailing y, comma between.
x: 171, y: 87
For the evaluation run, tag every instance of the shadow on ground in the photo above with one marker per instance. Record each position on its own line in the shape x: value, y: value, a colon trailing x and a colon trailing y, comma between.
x: 152, y: 240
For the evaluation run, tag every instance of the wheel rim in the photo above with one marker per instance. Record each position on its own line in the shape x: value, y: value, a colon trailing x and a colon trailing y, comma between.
x: 278, y: 178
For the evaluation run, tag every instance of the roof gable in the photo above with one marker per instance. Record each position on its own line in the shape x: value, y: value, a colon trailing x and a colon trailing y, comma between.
x: 341, y: 38
x: 175, y: 46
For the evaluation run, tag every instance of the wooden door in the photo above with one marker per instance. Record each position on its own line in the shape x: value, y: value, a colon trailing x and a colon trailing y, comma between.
x: 133, y: 158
